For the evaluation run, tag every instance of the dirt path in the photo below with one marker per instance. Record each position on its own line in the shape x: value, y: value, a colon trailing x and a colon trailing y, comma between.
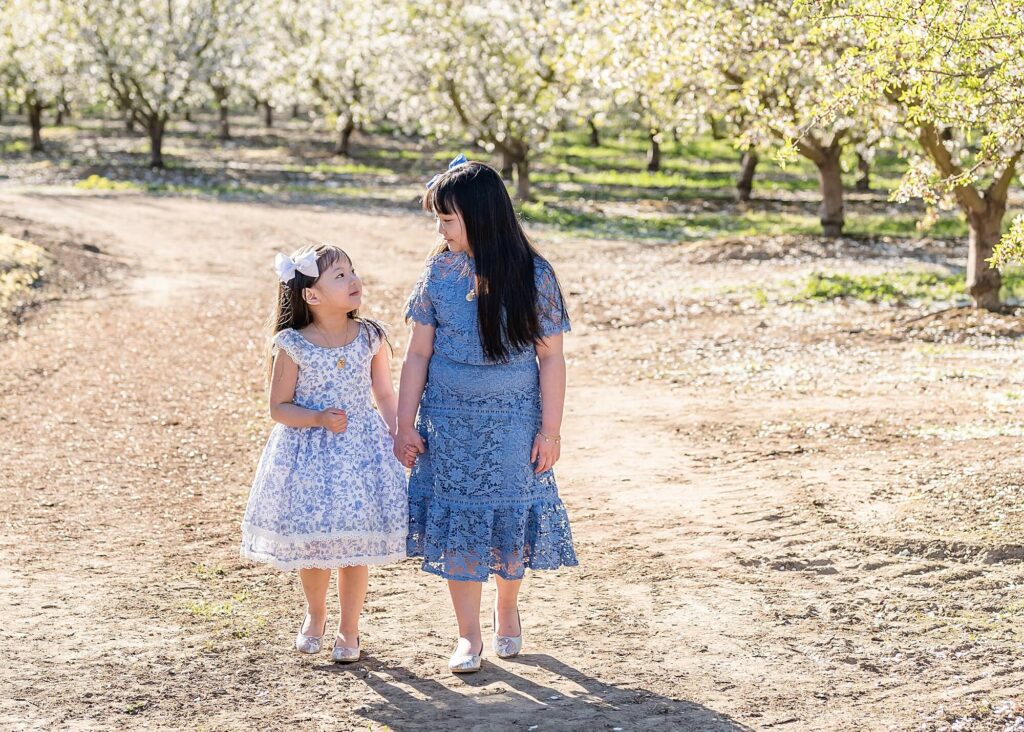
x: 771, y: 517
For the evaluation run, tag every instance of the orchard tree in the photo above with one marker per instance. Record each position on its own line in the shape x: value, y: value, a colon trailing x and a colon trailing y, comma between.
x: 952, y: 69
x: 630, y: 53
x: 493, y: 70
x: 770, y: 69
x: 37, y: 58
x: 336, y: 55
x: 155, y: 59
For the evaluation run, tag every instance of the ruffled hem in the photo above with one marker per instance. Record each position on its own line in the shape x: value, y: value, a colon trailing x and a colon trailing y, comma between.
x: 299, y: 539
x: 327, y: 550
x: 261, y: 558
x: 470, y: 543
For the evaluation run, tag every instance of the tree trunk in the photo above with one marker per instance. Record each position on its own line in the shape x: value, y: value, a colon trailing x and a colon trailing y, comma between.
x: 156, y: 141
x: 716, y: 128
x: 268, y: 115
x: 830, y: 177
x: 983, y: 281
x: 745, y: 183
x: 523, y: 178
x: 220, y: 94
x: 653, y: 153
x: 58, y: 118
x: 341, y: 145
x: 295, y: 111
x: 864, y: 168
x: 188, y: 115
x: 507, y: 166
x: 595, y: 136
x: 35, y: 121
x: 129, y: 121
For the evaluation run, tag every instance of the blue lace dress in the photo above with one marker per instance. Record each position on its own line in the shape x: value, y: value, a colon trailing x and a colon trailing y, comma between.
x: 323, y: 499
x: 476, y: 507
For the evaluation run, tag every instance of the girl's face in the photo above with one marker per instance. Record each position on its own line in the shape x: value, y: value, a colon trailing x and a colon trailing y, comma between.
x: 339, y: 288
x: 453, y: 229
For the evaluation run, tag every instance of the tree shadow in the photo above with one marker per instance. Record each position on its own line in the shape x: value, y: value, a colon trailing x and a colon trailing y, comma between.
x: 503, y: 699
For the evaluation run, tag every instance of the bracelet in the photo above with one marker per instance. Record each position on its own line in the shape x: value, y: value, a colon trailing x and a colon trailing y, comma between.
x: 550, y: 438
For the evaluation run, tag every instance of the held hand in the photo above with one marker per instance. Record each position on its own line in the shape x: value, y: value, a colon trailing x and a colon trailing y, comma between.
x: 408, y: 444
x: 334, y: 420
x: 546, y: 451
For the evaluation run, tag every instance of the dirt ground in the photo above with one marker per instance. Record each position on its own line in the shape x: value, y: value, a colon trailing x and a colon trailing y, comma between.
x: 787, y: 516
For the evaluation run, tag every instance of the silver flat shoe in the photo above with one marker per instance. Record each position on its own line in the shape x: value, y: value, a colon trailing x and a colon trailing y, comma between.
x: 342, y: 654
x: 309, y: 643
x: 507, y: 646
x: 463, y: 660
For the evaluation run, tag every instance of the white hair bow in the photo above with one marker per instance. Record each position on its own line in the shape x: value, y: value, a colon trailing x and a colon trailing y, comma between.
x: 286, y: 267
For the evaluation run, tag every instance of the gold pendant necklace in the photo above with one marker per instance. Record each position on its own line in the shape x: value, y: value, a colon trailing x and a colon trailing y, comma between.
x: 341, y: 361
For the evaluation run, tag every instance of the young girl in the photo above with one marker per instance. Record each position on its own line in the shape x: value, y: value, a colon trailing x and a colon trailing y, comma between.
x: 485, y: 373
x: 328, y: 491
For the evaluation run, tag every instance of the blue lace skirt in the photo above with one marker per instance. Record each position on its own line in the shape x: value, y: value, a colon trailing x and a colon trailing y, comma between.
x: 476, y: 507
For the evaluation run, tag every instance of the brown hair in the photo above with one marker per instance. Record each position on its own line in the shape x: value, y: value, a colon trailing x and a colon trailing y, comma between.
x: 291, y: 309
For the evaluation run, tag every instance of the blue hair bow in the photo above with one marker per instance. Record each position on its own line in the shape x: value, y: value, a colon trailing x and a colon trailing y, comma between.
x: 458, y: 160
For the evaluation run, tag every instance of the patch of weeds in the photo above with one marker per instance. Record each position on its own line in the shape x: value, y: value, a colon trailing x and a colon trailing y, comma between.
x: 14, y: 147
x: 22, y: 266
x: 890, y: 287
x: 229, y: 615
x: 204, y: 571
x: 136, y: 706
x: 898, y: 288
x: 99, y: 183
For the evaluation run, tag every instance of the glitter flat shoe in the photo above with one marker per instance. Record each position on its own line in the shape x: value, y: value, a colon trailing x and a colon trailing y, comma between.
x: 309, y: 643
x: 463, y: 660
x: 343, y: 654
x: 507, y: 646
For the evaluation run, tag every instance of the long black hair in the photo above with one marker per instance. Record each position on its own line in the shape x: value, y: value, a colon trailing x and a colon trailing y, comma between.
x: 506, y: 288
x: 291, y: 309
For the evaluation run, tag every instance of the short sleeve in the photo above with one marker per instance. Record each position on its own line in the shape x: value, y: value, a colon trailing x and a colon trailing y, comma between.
x: 287, y: 340
x: 420, y: 307
x: 551, y: 312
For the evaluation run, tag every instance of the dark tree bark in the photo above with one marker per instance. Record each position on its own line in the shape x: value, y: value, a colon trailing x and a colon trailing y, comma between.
x: 595, y: 135
x: 653, y: 153
x: 831, y: 180
x: 268, y: 115
x: 156, y: 126
x: 341, y: 145
x: 523, y: 192
x: 35, y: 121
x: 864, y: 179
x: 986, y: 228
x: 507, y: 166
x: 745, y: 183
x: 295, y: 111
x: 220, y: 95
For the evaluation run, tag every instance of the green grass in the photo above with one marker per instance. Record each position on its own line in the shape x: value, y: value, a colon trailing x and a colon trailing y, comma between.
x: 339, y: 169
x: 14, y: 147
x: 684, y: 227
x: 100, y: 183
x: 899, y: 287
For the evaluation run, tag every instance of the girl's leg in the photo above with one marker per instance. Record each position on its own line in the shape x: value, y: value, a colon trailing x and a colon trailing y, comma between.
x: 466, y: 601
x: 508, y: 607
x: 352, y: 583
x: 314, y: 585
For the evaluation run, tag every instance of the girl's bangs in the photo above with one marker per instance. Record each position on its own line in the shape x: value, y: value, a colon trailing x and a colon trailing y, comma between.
x: 440, y: 198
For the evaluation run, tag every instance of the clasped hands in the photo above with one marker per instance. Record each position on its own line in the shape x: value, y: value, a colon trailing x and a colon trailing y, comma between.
x: 409, y: 444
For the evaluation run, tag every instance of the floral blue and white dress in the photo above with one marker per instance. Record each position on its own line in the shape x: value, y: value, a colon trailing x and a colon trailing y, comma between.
x: 323, y: 499
x: 476, y: 507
